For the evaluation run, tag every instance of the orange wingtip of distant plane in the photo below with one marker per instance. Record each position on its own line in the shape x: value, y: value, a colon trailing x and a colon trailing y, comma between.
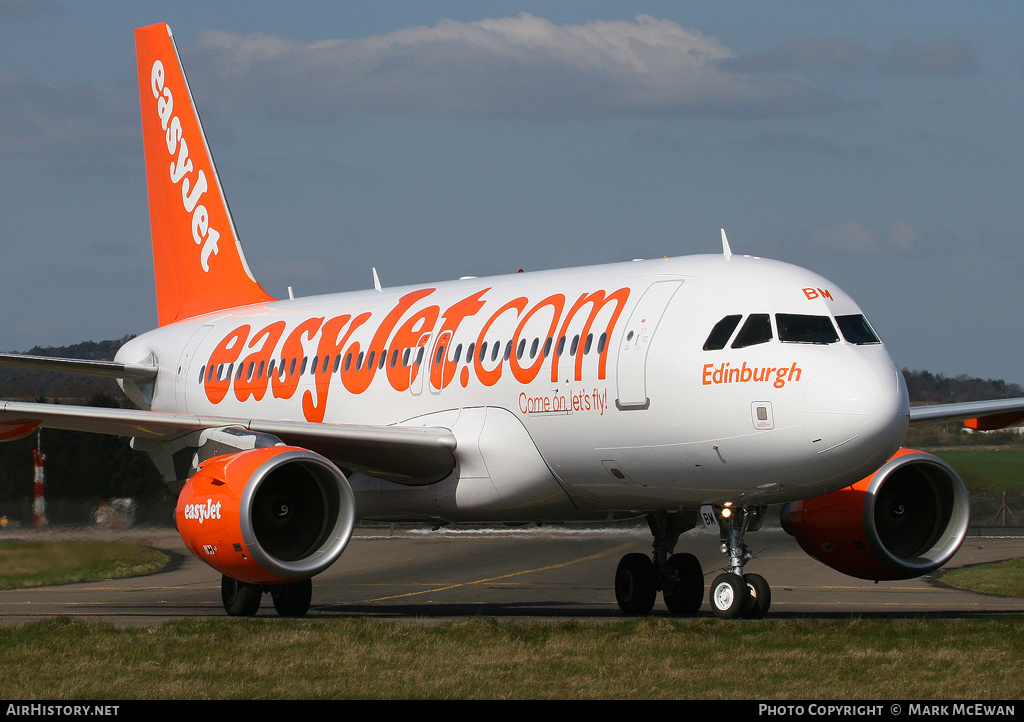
x: 17, y: 429
x: 994, y: 422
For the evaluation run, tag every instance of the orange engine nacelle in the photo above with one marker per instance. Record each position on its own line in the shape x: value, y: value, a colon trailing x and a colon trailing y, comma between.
x: 907, y: 519
x: 268, y: 515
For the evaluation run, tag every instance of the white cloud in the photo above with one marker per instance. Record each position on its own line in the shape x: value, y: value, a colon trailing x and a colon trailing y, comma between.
x: 855, y: 239
x: 522, y: 66
x: 61, y: 120
x: 946, y: 56
x: 848, y: 237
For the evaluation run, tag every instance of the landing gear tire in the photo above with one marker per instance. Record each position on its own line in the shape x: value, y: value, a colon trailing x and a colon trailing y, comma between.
x: 685, y: 594
x: 728, y: 596
x: 759, y: 596
x: 240, y: 598
x: 636, y: 586
x: 292, y: 600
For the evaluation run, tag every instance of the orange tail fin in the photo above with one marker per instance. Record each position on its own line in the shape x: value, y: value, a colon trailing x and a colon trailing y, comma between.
x: 199, y: 264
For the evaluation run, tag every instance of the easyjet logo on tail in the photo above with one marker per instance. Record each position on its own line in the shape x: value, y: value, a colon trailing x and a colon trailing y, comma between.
x: 193, y: 185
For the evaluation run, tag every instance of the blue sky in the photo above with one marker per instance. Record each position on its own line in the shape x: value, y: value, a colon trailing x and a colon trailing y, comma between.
x: 877, y: 143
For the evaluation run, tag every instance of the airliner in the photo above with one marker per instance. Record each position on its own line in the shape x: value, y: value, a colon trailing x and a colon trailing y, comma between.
x: 687, y: 391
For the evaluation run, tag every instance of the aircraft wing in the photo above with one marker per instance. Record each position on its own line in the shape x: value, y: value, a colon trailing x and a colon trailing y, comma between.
x: 410, y: 455
x: 979, y: 415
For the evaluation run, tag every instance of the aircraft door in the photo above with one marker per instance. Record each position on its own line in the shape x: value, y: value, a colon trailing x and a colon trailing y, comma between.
x: 631, y: 367
x: 184, y: 368
x: 417, y: 361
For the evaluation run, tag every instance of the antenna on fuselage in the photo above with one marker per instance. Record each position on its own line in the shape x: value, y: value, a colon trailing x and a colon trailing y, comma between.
x: 376, y: 281
x: 726, y: 251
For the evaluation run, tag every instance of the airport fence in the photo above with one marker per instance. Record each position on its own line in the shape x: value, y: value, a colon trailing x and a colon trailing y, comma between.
x: 997, y: 508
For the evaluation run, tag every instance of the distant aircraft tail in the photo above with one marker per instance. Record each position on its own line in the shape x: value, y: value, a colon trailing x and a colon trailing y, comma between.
x: 198, y: 260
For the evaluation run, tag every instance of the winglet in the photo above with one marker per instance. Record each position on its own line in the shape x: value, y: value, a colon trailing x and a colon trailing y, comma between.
x: 726, y: 251
x: 198, y: 261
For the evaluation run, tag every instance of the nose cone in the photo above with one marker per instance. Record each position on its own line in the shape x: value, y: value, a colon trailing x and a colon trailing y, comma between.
x: 856, y: 414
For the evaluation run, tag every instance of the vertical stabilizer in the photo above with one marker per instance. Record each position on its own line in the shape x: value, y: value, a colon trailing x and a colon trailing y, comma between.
x: 198, y: 260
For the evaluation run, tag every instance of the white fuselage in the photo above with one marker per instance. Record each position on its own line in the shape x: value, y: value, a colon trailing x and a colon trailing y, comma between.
x: 571, y: 393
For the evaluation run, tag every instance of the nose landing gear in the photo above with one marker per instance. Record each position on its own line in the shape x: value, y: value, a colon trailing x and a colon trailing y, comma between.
x: 735, y: 594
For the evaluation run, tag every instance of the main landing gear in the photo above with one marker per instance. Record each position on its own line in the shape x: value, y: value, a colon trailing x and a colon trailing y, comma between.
x: 242, y: 599
x: 680, y: 578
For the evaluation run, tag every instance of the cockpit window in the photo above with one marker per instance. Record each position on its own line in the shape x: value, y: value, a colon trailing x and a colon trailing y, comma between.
x: 798, y: 328
x: 756, y: 329
x: 855, y: 329
x: 721, y: 332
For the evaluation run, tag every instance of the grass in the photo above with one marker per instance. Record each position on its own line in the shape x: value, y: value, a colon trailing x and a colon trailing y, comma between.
x: 987, y: 470
x: 1006, y: 578
x: 34, y: 564
x: 483, y: 658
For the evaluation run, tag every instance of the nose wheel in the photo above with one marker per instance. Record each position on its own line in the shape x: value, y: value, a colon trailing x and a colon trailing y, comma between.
x: 728, y: 596
x: 735, y: 595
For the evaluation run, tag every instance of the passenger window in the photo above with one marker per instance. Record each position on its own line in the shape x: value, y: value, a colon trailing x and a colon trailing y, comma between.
x: 721, y: 333
x: 798, y: 328
x: 855, y: 329
x: 756, y: 329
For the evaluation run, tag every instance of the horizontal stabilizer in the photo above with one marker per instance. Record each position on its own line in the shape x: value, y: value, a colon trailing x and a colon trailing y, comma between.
x: 109, y: 369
